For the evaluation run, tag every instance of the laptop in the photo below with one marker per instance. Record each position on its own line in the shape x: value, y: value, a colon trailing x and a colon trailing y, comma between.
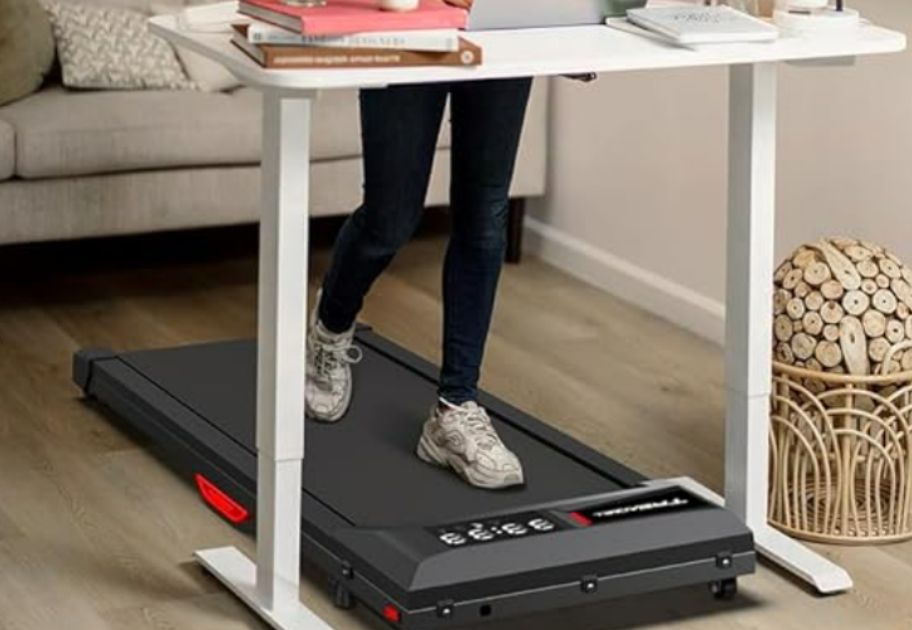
x: 505, y: 14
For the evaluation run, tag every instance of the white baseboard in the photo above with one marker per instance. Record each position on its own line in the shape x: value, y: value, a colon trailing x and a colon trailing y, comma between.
x: 648, y: 290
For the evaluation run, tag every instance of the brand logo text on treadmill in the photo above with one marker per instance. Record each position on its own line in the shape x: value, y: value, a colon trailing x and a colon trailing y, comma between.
x: 650, y: 506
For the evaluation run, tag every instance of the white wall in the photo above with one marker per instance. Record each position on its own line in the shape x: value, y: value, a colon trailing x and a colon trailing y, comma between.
x: 637, y: 175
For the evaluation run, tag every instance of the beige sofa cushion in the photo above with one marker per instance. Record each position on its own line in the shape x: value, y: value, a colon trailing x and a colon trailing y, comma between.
x: 7, y: 150
x: 62, y: 134
x: 26, y: 48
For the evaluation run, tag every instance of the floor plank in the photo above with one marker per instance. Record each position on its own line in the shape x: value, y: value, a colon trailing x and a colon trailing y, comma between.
x: 95, y: 532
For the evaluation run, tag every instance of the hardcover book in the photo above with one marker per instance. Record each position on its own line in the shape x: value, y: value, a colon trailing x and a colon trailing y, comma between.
x: 310, y: 57
x: 439, y: 40
x: 340, y: 17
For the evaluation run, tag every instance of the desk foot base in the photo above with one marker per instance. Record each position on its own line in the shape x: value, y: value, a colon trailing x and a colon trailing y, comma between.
x: 825, y: 576
x: 238, y: 573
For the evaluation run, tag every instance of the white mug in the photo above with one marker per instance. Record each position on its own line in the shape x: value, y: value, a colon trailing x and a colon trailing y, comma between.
x: 398, y: 5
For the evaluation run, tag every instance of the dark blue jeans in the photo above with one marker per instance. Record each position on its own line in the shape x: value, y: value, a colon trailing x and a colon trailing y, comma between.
x: 399, y: 127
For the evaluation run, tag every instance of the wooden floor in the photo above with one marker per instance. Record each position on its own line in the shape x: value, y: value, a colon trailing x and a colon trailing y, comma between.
x: 95, y: 534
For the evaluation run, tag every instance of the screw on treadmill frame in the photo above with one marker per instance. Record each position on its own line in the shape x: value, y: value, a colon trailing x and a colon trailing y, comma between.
x: 445, y: 609
x: 724, y: 560
x: 589, y: 584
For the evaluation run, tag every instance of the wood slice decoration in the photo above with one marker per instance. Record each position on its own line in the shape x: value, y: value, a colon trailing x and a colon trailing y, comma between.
x: 869, y: 286
x: 875, y: 324
x: 856, y: 303
x: 795, y: 308
x: 831, y: 312
x: 896, y: 331
x: 833, y: 290
x: 874, y: 247
x: 814, y: 301
x: 843, y: 242
x: 857, y: 252
x: 817, y: 273
x: 842, y: 268
x: 839, y: 306
x: 792, y: 278
x: 885, y: 302
x: 903, y: 291
x: 889, y: 268
x: 907, y: 361
x: 813, y: 323
x: 783, y: 269
x: 803, y: 346
x: 783, y: 328
x: 804, y: 257
x: 868, y: 269
x: 878, y: 349
x: 854, y: 344
x: 784, y: 354
x: 828, y: 353
x: 780, y: 298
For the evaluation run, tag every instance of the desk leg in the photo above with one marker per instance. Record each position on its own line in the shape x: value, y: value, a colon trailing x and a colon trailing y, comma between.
x: 271, y: 586
x: 751, y: 240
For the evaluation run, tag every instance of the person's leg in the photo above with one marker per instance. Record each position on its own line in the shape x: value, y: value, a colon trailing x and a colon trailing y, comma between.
x: 487, y: 124
x: 399, y: 129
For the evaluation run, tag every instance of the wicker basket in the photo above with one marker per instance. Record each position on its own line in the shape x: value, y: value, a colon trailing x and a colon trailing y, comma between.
x: 841, y: 461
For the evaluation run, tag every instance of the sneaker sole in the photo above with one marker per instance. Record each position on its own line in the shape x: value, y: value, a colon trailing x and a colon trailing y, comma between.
x: 430, y: 453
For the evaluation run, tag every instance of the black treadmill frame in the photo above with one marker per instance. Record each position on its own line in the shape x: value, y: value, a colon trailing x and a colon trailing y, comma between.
x: 191, y: 445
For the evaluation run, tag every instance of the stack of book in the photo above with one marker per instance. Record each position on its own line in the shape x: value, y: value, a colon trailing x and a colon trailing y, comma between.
x: 353, y: 34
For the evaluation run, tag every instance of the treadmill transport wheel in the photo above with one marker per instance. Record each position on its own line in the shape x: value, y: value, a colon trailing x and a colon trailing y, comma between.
x: 724, y: 589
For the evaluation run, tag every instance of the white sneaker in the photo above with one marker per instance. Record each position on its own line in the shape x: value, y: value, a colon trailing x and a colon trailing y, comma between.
x: 328, y: 388
x: 463, y: 438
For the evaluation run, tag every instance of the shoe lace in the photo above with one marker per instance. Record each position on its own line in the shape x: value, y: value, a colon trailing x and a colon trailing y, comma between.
x: 477, y: 420
x: 328, y: 358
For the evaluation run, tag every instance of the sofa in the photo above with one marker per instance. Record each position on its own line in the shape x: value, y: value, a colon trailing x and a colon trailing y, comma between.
x: 77, y: 164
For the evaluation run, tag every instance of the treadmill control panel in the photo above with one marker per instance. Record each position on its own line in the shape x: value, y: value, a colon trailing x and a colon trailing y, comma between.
x: 496, y: 529
x: 638, y: 505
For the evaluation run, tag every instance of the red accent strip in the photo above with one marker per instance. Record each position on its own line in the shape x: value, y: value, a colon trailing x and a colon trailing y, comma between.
x: 392, y: 614
x: 580, y: 519
x: 221, y: 502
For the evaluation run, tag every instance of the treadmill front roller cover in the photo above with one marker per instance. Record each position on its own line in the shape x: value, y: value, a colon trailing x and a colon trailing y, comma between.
x: 412, y: 542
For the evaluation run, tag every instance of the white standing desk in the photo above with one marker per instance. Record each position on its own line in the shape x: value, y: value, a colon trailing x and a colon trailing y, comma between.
x: 270, y: 586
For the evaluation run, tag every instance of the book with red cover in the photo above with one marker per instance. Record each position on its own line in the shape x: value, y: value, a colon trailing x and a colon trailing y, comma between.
x: 341, y: 17
x: 310, y: 57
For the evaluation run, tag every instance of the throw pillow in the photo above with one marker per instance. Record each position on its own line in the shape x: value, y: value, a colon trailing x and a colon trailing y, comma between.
x: 111, y: 48
x: 208, y: 75
x: 26, y: 48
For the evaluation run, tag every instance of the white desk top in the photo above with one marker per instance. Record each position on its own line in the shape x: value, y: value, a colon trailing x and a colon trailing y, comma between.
x: 538, y: 52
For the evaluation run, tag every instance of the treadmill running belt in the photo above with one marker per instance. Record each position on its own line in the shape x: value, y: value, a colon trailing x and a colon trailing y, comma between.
x: 367, y: 471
